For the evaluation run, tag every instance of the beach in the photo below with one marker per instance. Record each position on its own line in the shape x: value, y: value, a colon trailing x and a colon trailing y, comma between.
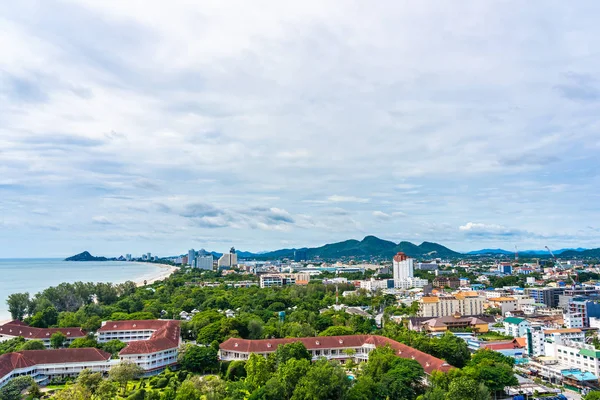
x: 164, y: 273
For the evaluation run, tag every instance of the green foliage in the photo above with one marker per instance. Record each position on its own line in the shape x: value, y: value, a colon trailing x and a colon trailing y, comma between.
x: 18, y: 304
x: 113, y: 346
x: 595, y: 395
x: 12, y: 390
x: 295, y: 350
x: 199, y: 359
x: 258, y: 371
x: 12, y: 345
x: 236, y: 370
x: 84, y: 342
x: 324, y: 381
x: 337, y: 331
x: 33, y: 345
x: 486, y: 354
x: 465, y: 388
x: 57, y: 340
x: 125, y: 372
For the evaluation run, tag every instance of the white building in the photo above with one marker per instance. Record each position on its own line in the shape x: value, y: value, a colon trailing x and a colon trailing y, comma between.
x: 516, y: 327
x: 463, y: 303
x: 204, y: 262
x: 228, y: 260
x: 277, y: 280
x: 15, y: 329
x: 575, y: 354
x: 403, y: 267
x: 538, y: 336
x: 573, y: 320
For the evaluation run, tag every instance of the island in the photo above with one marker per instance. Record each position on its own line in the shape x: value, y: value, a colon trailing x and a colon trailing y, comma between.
x: 86, y: 256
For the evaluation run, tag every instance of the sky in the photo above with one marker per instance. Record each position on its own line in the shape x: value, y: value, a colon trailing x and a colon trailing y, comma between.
x: 145, y: 126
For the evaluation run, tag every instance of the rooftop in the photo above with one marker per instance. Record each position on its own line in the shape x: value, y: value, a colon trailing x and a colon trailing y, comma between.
x: 18, y: 328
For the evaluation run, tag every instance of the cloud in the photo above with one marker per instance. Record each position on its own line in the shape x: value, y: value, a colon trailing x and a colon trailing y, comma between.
x: 347, y: 199
x: 387, y: 216
x: 101, y: 220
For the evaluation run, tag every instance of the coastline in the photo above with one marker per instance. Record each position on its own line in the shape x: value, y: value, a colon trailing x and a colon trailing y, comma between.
x: 166, y: 271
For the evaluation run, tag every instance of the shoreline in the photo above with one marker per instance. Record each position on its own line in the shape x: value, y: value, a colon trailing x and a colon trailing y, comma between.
x: 166, y: 271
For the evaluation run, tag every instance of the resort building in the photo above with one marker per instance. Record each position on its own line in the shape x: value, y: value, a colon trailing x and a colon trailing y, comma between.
x: 15, y: 329
x: 151, y: 344
x: 44, y: 365
x: 479, y: 324
x: 341, y: 348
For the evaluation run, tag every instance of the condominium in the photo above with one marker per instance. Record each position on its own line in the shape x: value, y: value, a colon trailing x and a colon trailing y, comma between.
x: 464, y: 303
x: 403, y: 271
x: 537, y: 337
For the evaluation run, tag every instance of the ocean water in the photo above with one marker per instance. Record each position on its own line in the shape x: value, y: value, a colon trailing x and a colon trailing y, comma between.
x: 35, y: 275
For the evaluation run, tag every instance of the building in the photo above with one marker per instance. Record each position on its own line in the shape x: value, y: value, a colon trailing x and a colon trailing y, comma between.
x: 505, y: 304
x: 15, y: 329
x: 505, y: 268
x: 402, y: 267
x: 574, y: 320
x: 191, y: 257
x: 446, y: 281
x: 586, y: 306
x: 537, y: 337
x: 204, y: 262
x: 547, y: 295
x: 463, y: 303
x: 341, y: 348
x: 300, y: 255
x: 575, y: 354
x: 277, y: 280
x: 516, y: 327
x: 479, y: 324
x: 377, y: 284
x: 45, y: 365
x: 228, y: 260
x: 427, y: 266
x: 151, y: 344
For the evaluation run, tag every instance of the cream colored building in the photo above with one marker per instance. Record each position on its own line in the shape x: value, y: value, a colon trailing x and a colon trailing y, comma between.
x: 465, y: 303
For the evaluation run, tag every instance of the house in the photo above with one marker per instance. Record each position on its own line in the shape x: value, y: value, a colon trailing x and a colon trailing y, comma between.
x: 340, y: 348
x: 516, y: 327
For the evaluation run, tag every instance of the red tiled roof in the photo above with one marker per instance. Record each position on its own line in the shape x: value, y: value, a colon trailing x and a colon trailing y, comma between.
x: 400, y: 256
x: 17, y: 328
x: 166, y: 335
x: 514, y: 344
x: 428, y: 362
x: 29, y: 358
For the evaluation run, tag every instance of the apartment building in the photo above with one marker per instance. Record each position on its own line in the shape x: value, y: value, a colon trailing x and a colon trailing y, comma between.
x: 341, y: 348
x: 537, y: 337
x: 575, y: 354
x: 463, y: 303
x: 15, y: 329
x: 516, y: 327
x: 505, y: 304
x: 547, y: 295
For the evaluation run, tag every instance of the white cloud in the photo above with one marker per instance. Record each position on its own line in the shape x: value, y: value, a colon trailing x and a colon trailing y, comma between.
x: 347, y: 199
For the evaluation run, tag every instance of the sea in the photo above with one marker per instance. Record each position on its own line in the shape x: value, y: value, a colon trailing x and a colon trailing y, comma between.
x: 35, y: 275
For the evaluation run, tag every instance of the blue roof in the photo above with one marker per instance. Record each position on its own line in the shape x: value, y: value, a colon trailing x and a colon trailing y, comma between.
x: 578, y: 375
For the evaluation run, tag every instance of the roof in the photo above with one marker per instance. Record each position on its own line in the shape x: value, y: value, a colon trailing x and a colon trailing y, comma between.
x: 501, y: 299
x: 501, y: 345
x: 18, y: 328
x: 514, y: 320
x: 579, y: 375
x: 166, y: 335
x: 30, y: 358
x: 590, y: 353
x: 570, y: 330
x: 428, y: 362
x: 521, y: 341
x: 431, y: 299
x: 400, y: 256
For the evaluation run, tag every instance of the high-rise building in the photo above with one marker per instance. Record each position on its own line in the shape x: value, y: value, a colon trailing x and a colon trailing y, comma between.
x: 300, y: 255
x: 191, y: 257
x: 228, y: 260
x: 403, y: 267
x: 204, y: 262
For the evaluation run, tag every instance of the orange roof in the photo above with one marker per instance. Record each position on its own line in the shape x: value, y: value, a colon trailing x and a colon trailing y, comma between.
x: 467, y: 294
x: 521, y: 341
x: 501, y: 299
x: 571, y: 330
x: 430, y: 299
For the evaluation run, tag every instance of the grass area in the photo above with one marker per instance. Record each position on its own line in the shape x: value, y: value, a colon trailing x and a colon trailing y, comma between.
x: 490, y: 336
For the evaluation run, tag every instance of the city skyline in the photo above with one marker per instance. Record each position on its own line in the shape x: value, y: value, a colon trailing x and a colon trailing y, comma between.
x: 471, y: 125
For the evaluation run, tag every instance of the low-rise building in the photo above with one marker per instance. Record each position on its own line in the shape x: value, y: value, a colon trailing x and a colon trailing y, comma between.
x: 340, y: 348
x: 463, y: 303
x: 505, y: 304
x: 516, y: 327
x: 446, y: 281
x: 479, y: 324
x: 15, y: 329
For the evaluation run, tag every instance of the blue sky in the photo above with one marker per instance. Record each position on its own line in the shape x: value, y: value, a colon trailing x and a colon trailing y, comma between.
x: 130, y: 126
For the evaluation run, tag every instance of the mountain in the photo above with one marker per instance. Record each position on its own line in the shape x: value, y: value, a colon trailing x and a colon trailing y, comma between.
x: 369, y: 247
x: 489, y: 251
x: 85, y: 256
x: 590, y: 253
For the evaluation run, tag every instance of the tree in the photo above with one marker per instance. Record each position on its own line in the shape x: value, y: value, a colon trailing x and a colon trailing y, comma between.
x: 33, y: 345
x: 337, y: 331
x: 18, y: 304
x: 464, y: 388
x: 113, y: 346
x: 235, y: 371
x: 84, y: 342
x: 57, y: 340
x: 45, y: 318
x: 34, y: 391
x: 74, y: 392
x: 188, y: 391
x: 595, y: 395
x: 288, y: 351
x: 90, y: 380
x: 452, y: 349
x: 255, y: 329
x: 199, y: 359
x: 496, y: 376
x: 324, y: 381
x: 124, y: 372
x: 487, y: 354
x: 12, y: 390
x: 290, y: 373
x: 258, y: 371
x: 106, y: 390
x: 403, y: 381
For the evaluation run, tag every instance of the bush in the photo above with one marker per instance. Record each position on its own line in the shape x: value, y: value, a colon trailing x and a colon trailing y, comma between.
x: 137, y: 395
x: 161, y: 383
